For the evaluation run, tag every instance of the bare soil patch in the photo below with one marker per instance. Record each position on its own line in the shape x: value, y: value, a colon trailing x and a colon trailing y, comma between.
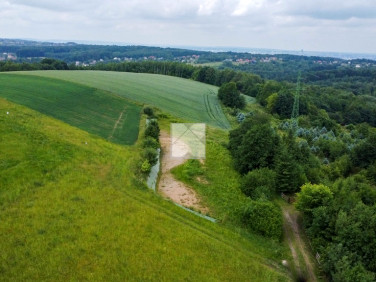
x: 171, y: 188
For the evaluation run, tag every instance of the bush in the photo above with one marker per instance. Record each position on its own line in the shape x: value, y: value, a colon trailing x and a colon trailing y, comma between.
x: 149, y: 111
x: 150, y: 142
x: 259, y: 183
x: 152, y: 130
x: 146, y: 166
x: 264, y: 218
x: 150, y: 154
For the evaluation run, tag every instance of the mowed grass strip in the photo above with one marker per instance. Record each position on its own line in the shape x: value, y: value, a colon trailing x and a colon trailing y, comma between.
x: 72, y: 211
x: 90, y: 109
x: 180, y: 97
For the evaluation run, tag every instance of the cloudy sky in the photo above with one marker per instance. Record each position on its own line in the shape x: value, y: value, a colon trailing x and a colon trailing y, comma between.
x: 314, y: 25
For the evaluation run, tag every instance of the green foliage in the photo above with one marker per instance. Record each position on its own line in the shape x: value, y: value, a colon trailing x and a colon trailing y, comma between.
x: 182, y: 98
x: 152, y: 130
x: 269, y: 88
x: 283, y: 104
x: 149, y: 111
x: 342, y: 226
x: 150, y: 142
x: 230, y: 96
x: 264, y: 218
x: 364, y: 154
x: 289, y: 174
x: 95, y: 111
x: 312, y: 196
x: 191, y: 169
x: 52, y: 64
x: 253, y: 145
x: 146, y: 166
x: 259, y: 184
x: 150, y: 155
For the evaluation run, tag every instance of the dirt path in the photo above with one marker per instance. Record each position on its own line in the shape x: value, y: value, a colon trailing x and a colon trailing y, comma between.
x: 297, y: 245
x: 171, y: 188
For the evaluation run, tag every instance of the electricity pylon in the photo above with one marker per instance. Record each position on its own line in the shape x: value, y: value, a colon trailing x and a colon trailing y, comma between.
x: 295, y: 108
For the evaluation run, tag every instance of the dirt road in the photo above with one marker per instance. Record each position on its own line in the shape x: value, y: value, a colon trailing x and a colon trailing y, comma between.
x: 304, y: 265
x: 171, y: 188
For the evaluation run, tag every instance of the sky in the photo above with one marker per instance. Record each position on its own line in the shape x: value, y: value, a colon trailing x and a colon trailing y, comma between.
x: 312, y: 25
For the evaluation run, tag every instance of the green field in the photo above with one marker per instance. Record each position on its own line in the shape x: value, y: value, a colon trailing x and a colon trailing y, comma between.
x: 76, y: 211
x: 187, y: 99
x: 96, y: 111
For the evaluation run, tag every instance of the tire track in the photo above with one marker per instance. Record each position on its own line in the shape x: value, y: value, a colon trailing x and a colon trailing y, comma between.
x: 117, y: 123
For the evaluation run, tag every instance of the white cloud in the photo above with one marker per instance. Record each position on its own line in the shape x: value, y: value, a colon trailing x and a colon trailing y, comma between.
x: 292, y: 24
x: 245, y: 6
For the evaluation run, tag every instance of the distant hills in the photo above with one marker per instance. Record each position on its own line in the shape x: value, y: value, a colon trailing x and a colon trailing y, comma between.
x: 22, y: 49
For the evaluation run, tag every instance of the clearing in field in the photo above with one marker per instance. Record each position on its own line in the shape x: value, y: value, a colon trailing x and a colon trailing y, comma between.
x: 96, y: 111
x: 183, y: 98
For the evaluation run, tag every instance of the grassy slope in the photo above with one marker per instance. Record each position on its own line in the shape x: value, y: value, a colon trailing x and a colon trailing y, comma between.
x: 85, y: 107
x: 72, y: 211
x: 181, y: 97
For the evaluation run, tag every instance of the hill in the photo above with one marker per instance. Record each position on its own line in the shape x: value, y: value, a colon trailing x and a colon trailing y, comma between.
x: 73, y: 209
x: 95, y: 111
x: 190, y: 100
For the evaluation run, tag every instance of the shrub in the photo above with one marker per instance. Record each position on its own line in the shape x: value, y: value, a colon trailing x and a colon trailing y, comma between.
x: 150, y: 142
x: 150, y: 154
x: 149, y: 111
x: 152, y: 130
x: 259, y: 183
x: 264, y: 218
x: 146, y: 166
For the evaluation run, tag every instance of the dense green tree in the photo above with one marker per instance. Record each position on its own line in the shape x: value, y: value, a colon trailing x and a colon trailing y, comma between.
x: 364, y: 154
x: 312, y: 196
x: 230, y: 96
x: 283, y: 104
x: 289, y: 173
x: 268, y: 89
x: 255, y: 149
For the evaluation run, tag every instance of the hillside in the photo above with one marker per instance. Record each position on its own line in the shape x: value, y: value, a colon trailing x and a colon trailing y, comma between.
x: 95, y: 111
x: 103, y: 224
x: 190, y: 100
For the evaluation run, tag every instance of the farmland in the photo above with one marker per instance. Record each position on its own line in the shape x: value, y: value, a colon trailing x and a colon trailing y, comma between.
x: 187, y: 99
x: 75, y: 211
x: 96, y: 111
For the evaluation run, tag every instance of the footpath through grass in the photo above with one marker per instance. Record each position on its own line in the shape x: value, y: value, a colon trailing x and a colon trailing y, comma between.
x: 96, y: 111
x: 71, y: 208
x: 180, y: 97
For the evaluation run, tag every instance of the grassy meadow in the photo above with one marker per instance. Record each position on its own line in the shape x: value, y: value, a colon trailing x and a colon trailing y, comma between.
x: 72, y: 208
x: 95, y: 111
x: 180, y: 97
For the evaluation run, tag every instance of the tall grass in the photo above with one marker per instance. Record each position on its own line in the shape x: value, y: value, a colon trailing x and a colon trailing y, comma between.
x: 71, y: 208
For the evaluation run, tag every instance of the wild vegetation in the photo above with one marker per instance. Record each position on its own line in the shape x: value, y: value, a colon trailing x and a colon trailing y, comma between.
x: 73, y: 208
